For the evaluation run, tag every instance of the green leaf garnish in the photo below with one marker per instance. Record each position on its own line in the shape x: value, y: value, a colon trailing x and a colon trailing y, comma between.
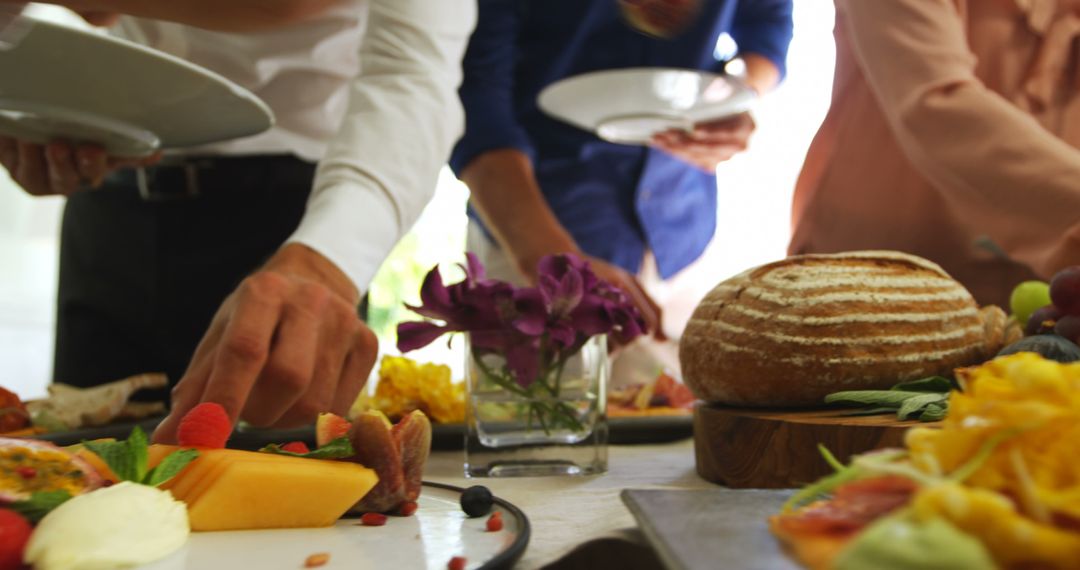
x: 925, y: 399
x: 129, y: 459
x: 169, y: 467
x: 929, y: 384
x: 339, y: 448
x: 39, y: 504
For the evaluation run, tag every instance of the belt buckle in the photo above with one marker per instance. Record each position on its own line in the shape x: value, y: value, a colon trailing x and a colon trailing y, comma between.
x: 151, y: 191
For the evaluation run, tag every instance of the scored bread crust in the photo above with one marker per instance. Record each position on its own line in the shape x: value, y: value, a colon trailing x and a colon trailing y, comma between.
x: 788, y: 333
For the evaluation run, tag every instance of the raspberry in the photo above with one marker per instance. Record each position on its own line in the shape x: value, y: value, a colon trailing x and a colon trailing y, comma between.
x: 14, y: 534
x: 456, y: 563
x: 407, y: 509
x: 296, y: 447
x: 373, y: 519
x: 206, y: 425
x: 495, y: 522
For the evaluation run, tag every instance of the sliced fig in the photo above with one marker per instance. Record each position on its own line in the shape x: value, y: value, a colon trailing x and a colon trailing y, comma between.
x: 376, y: 449
x: 413, y: 438
x: 330, y: 427
x: 28, y: 466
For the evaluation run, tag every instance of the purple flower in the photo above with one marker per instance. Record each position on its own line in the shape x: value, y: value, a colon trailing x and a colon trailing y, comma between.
x: 531, y: 327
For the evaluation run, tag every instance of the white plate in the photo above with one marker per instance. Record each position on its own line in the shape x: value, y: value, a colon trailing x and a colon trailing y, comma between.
x: 437, y: 532
x: 628, y: 106
x: 58, y: 82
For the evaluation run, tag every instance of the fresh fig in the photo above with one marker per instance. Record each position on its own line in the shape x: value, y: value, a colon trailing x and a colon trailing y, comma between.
x: 330, y: 427
x: 1050, y: 346
x: 413, y: 438
x: 376, y: 449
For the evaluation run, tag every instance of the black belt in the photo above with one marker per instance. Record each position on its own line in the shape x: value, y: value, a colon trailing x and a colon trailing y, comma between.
x: 182, y: 178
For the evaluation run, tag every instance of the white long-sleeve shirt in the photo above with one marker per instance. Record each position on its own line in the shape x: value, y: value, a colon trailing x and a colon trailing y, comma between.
x: 368, y: 88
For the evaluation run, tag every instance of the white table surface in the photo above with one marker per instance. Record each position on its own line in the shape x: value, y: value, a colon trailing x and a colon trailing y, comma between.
x: 566, y: 512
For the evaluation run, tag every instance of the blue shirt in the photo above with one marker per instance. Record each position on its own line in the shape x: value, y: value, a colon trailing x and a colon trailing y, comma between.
x: 615, y: 200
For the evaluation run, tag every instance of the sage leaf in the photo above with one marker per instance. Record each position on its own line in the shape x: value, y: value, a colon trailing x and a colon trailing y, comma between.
x: 929, y: 384
x: 881, y: 398
x: 934, y: 412
x: 915, y: 405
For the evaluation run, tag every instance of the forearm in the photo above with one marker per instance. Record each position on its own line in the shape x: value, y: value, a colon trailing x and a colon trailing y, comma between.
x: 508, y: 198
x: 762, y: 75
x: 227, y: 16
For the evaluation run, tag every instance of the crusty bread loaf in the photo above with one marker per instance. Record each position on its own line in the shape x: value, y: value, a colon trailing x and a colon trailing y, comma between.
x: 788, y: 333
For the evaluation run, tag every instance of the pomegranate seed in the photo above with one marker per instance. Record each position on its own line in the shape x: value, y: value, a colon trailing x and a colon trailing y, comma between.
x: 316, y: 560
x: 26, y: 472
x: 407, y: 508
x: 495, y: 522
x: 456, y: 563
x: 296, y: 447
x: 373, y: 519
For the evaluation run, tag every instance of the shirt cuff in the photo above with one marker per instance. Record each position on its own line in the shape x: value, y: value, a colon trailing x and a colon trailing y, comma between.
x: 356, y: 243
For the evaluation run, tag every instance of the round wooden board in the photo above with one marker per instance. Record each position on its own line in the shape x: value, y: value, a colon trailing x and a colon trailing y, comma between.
x: 745, y: 448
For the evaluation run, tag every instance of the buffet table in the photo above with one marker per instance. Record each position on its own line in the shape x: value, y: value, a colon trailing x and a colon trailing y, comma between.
x: 577, y: 519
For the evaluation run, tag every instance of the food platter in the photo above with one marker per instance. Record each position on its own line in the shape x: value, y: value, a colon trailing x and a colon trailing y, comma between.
x: 622, y: 430
x: 683, y: 526
x: 437, y: 532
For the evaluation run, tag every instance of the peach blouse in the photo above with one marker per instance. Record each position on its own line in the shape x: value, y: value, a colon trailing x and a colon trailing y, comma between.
x: 953, y: 135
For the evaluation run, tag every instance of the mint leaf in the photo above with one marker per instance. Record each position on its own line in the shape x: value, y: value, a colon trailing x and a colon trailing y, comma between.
x: 137, y: 446
x: 339, y: 448
x: 169, y: 467
x: 929, y: 384
x: 117, y: 456
x: 39, y: 504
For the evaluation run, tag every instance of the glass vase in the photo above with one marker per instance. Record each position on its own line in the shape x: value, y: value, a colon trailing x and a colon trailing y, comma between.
x: 555, y: 424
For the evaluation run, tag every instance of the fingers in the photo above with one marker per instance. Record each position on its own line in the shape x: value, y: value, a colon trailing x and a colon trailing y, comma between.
x: 187, y: 393
x: 9, y: 155
x: 244, y: 346
x: 650, y: 311
x: 286, y: 386
x: 92, y: 164
x: 63, y: 174
x: 32, y: 172
x: 358, y: 365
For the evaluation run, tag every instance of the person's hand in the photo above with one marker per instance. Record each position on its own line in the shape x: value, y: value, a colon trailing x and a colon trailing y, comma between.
x: 60, y: 167
x: 620, y: 278
x: 286, y: 345
x: 99, y: 18
x: 708, y: 144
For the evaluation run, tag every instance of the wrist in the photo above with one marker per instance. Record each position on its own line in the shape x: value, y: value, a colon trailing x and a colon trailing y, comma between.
x: 298, y: 260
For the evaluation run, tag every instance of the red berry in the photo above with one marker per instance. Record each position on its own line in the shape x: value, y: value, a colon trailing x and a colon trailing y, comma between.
x: 26, y: 472
x: 456, y: 563
x: 373, y: 519
x: 495, y: 522
x: 296, y: 447
x: 206, y: 425
x: 407, y: 508
x: 14, y: 534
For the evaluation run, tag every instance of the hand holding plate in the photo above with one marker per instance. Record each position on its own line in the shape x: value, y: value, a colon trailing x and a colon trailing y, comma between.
x: 708, y: 144
x: 60, y: 167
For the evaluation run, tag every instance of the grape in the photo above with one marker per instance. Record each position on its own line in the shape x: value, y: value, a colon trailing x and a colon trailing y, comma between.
x: 1068, y: 327
x: 1065, y: 290
x: 1049, y: 313
x: 1027, y: 297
